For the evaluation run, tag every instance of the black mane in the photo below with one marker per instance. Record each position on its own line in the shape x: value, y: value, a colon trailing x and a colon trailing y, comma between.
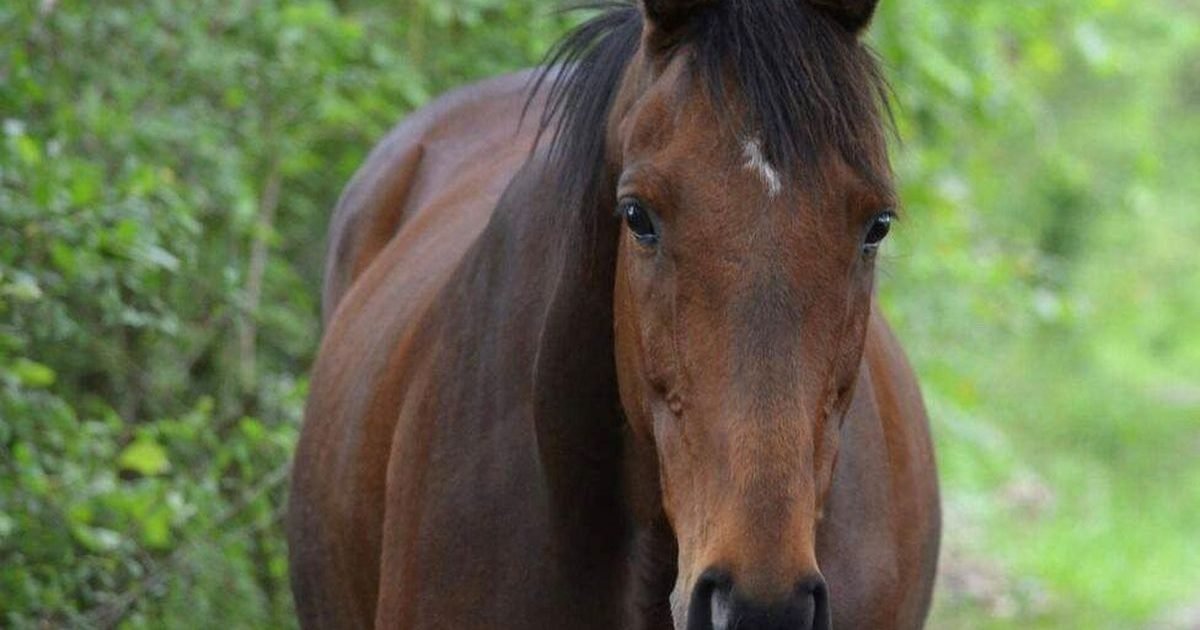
x: 805, y: 83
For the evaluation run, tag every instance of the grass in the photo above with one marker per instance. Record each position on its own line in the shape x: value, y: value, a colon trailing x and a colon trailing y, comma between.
x: 1072, y: 497
x: 1065, y: 396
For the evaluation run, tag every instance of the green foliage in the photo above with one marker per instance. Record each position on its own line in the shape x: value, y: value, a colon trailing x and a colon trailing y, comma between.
x: 166, y: 173
x: 1046, y: 289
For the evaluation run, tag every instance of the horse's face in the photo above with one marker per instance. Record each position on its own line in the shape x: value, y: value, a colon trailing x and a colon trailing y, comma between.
x: 741, y: 307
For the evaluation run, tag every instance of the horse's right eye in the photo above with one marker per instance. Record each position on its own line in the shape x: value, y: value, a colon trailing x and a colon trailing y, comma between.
x: 638, y: 218
x: 881, y: 226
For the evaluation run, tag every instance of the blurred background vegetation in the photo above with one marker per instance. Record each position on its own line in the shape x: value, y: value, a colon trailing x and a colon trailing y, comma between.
x: 166, y: 173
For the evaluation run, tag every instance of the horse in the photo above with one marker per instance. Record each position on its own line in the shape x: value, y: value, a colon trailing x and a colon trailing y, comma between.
x: 602, y: 346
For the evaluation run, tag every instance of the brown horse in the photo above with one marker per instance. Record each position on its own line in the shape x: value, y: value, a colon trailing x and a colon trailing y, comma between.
x: 633, y: 378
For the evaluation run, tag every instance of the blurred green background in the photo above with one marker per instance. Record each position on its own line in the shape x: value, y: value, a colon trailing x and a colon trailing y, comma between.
x: 167, y: 170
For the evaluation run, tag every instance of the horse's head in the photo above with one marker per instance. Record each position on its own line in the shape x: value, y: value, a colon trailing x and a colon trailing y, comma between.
x: 754, y: 188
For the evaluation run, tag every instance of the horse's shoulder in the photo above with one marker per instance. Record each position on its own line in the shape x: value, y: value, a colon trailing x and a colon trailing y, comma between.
x: 888, y: 361
x: 906, y: 428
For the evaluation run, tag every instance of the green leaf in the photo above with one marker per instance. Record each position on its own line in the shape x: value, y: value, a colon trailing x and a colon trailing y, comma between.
x: 253, y: 429
x: 32, y: 374
x: 145, y: 456
x: 23, y: 288
x: 28, y: 150
x: 156, y: 528
x: 65, y: 258
x: 7, y: 525
x: 97, y: 539
x: 159, y: 257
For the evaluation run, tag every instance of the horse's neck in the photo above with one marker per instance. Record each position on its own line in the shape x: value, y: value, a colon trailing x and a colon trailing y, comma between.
x: 542, y: 287
x: 581, y: 428
x: 547, y: 283
x: 576, y: 409
x: 545, y: 287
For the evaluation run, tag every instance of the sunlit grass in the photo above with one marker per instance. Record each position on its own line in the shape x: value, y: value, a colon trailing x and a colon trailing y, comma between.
x: 1079, y: 494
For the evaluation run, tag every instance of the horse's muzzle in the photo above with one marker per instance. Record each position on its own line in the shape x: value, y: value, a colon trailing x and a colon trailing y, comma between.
x: 716, y: 605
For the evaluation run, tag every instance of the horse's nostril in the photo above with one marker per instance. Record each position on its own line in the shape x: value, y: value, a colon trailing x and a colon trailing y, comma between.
x: 710, y: 606
x: 813, y: 596
x: 721, y: 609
x: 716, y: 605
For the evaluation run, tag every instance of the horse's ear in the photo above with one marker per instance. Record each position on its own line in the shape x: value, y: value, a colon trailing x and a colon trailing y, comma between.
x: 666, y: 17
x: 855, y: 15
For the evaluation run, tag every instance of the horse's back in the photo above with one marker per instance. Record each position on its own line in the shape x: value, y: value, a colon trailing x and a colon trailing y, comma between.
x: 400, y: 230
x: 452, y: 158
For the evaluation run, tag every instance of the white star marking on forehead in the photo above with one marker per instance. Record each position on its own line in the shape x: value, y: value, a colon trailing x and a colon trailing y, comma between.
x: 757, y: 162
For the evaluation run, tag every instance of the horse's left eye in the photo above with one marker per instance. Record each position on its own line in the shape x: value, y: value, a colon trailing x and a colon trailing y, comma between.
x: 880, y: 227
x: 637, y: 217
